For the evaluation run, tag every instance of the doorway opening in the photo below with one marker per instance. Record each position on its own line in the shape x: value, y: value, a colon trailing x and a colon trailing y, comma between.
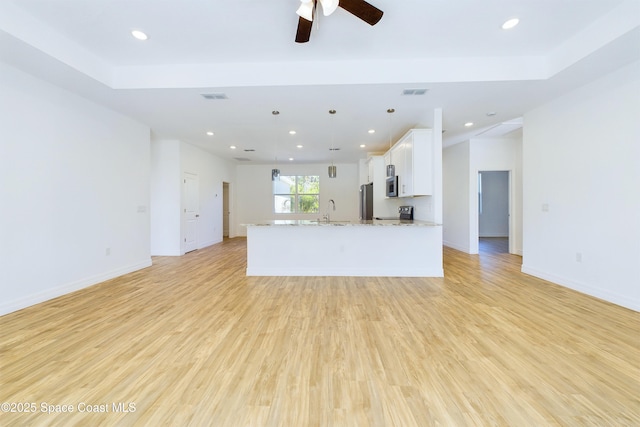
x: 494, y: 207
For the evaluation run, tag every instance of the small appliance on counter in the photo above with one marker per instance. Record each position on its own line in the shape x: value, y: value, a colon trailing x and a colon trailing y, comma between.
x: 406, y: 213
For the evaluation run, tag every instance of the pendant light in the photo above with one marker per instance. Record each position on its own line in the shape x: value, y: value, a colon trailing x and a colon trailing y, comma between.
x: 391, y: 169
x: 333, y: 171
x: 275, y: 172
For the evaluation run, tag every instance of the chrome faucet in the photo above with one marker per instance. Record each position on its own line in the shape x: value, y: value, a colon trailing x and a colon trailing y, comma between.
x: 328, y: 215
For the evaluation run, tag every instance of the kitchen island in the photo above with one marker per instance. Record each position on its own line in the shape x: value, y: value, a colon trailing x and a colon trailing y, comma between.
x: 391, y: 248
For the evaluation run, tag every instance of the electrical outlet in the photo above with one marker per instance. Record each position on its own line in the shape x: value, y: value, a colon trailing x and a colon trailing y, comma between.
x: 545, y: 207
x: 107, y: 251
x: 578, y: 257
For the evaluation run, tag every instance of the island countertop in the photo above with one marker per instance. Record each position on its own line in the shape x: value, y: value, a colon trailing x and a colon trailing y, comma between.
x: 376, y: 248
x: 356, y: 223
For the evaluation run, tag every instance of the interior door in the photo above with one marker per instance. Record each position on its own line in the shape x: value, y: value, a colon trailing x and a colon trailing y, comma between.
x: 493, y: 204
x: 191, y: 211
x: 225, y: 209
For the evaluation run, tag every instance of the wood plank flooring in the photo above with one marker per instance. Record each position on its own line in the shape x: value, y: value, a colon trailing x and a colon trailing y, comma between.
x: 192, y: 341
x: 494, y: 245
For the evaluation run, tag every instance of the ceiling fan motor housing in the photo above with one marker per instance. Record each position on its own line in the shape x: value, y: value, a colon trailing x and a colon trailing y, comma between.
x: 359, y: 8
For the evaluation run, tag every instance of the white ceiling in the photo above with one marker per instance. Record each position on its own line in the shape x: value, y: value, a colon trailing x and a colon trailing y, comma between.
x: 245, y: 49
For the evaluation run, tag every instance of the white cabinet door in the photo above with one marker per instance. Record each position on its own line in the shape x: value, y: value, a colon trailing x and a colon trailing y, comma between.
x: 370, y: 170
x: 406, y: 185
x: 413, y: 159
x: 397, y: 160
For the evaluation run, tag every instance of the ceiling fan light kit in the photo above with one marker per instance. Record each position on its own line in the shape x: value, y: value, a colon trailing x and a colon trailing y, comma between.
x: 359, y: 8
x: 329, y: 6
x: 305, y: 10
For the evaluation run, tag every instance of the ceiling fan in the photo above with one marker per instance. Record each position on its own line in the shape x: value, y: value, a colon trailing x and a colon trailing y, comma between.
x: 360, y: 8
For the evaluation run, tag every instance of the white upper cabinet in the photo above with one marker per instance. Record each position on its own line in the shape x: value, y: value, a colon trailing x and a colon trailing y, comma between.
x: 371, y: 170
x: 412, y: 156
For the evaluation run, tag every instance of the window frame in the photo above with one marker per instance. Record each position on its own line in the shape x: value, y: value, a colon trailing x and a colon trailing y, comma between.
x: 296, y: 195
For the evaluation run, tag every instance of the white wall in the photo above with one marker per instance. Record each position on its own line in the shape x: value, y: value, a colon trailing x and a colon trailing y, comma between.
x: 497, y: 154
x: 456, y: 196
x: 170, y: 161
x: 212, y: 172
x: 254, y: 197
x: 74, y: 181
x: 461, y: 164
x: 166, y: 194
x: 582, y: 161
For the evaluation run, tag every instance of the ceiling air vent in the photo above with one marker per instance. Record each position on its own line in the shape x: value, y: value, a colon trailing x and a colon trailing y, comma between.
x: 410, y: 92
x: 212, y: 96
x: 242, y: 159
x: 249, y: 150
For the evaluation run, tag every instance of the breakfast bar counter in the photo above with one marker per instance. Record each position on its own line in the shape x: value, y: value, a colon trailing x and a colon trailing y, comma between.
x: 357, y: 223
x: 387, y: 248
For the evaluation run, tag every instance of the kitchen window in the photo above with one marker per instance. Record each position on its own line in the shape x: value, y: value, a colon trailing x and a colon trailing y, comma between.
x: 296, y: 194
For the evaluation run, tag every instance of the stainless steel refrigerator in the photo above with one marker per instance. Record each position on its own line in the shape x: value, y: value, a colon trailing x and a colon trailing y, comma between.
x: 366, y: 202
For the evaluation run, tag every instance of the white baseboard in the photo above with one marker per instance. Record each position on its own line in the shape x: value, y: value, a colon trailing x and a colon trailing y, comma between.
x: 602, y: 294
x: 457, y: 247
x: 36, y: 298
x: 208, y: 243
x: 166, y: 253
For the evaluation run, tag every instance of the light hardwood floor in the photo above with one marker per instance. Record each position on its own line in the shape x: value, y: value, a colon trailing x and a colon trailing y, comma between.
x: 192, y: 341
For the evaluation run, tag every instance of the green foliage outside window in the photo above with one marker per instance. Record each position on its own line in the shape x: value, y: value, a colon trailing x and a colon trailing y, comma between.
x: 297, y: 194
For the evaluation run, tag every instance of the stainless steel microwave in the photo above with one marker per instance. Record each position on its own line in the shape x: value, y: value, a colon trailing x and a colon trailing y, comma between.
x: 392, y: 186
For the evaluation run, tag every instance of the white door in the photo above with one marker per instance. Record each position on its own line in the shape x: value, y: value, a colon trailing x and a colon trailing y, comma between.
x: 225, y: 209
x: 191, y: 211
x: 493, y: 204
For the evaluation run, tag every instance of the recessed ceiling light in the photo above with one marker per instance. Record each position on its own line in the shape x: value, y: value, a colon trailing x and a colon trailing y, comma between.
x: 210, y: 133
x: 299, y: 145
x: 233, y: 147
x: 510, y: 23
x: 468, y: 124
x: 291, y: 159
x: 362, y: 145
x: 139, y: 35
x: 372, y: 131
x: 292, y: 132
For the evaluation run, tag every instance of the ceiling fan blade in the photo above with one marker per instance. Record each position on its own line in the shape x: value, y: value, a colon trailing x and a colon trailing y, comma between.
x: 363, y: 10
x: 304, y: 30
